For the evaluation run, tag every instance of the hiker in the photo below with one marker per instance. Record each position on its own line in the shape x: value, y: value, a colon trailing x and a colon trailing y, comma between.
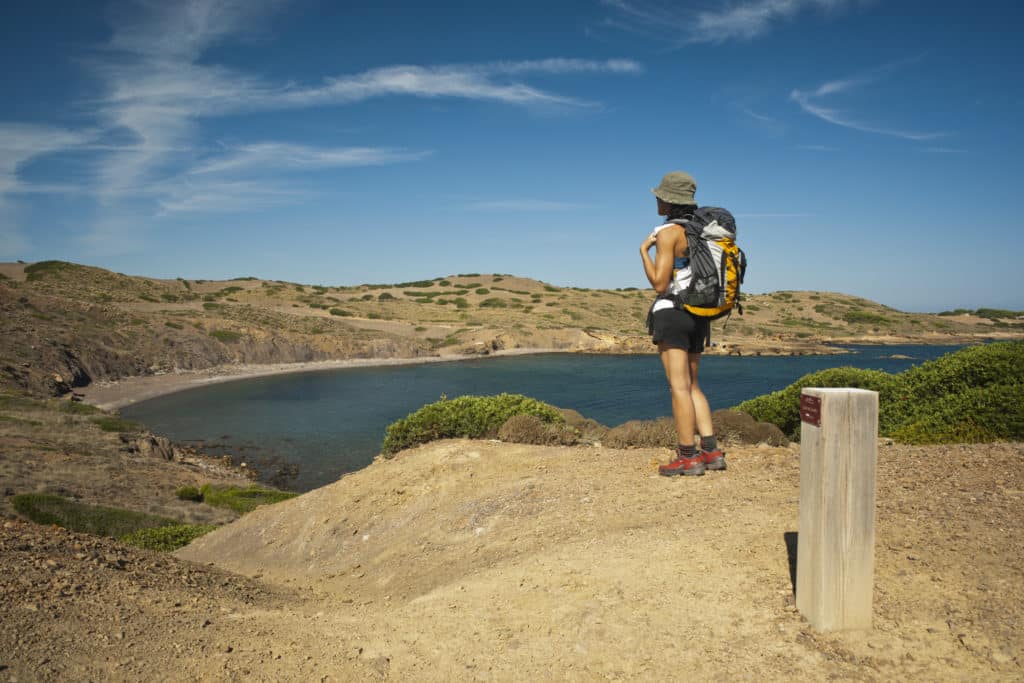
x: 680, y: 335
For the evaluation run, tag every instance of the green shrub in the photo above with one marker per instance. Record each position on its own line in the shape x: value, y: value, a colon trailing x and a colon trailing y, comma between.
x: 173, y: 325
x: 531, y: 429
x: 41, y: 269
x: 342, y: 312
x: 996, y: 313
x: 44, y: 508
x: 240, y: 499
x: 112, y: 423
x: 482, y: 291
x: 189, y: 493
x: 465, y: 416
x: 859, y: 317
x: 385, y: 296
x: 78, y: 408
x: 493, y: 302
x: 226, y: 336
x: 973, y: 394
x: 167, y: 538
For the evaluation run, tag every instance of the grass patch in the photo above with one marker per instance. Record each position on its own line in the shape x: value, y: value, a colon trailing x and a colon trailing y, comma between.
x: 242, y: 500
x: 112, y: 423
x: 861, y: 317
x: 226, y: 336
x: 43, y: 508
x: 167, y: 538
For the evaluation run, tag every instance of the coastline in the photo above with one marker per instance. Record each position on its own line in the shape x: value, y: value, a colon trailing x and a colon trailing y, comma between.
x: 112, y: 395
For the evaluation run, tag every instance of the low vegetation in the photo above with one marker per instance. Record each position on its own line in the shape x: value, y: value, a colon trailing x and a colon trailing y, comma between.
x: 969, y: 396
x: 44, y: 508
x: 167, y: 538
x: 465, y: 416
x: 241, y: 499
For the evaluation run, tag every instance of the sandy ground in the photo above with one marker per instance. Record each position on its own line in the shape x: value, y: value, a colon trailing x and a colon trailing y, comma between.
x: 113, y: 395
x: 477, y: 560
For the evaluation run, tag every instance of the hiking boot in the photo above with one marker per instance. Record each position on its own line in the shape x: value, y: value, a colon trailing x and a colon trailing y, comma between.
x: 713, y: 460
x: 688, y: 467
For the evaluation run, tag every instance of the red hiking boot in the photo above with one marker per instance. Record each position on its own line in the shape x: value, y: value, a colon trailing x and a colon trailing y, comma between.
x: 688, y: 467
x: 713, y: 460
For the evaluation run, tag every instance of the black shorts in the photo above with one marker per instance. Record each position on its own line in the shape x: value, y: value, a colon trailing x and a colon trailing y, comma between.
x: 677, y: 329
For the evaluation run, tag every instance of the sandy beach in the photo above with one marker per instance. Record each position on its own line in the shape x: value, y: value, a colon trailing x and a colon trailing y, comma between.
x: 124, y: 392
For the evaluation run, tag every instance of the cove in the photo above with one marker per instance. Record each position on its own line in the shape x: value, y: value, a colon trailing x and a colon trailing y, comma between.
x: 304, y: 430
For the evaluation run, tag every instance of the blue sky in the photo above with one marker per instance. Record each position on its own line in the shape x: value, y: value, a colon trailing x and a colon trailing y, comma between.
x: 866, y: 147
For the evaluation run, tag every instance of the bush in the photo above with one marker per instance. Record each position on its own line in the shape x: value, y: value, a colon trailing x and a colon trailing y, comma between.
x: 971, y: 395
x: 385, y: 296
x: 112, y: 423
x: 242, y: 500
x: 167, y: 538
x: 589, y: 430
x: 189, y: 493
x: 735, y: 427
x: 342, y: 312
x: 642, y: 434
x: 465, y: 416
x: 782, y: 408
x: 533, y: 430
x: 859, y: 317
x: 226, y: 336
x: 44, y: 508
x: 41, y: 269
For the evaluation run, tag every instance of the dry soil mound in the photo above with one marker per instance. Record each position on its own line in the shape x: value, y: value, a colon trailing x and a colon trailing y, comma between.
x: 466, y: 560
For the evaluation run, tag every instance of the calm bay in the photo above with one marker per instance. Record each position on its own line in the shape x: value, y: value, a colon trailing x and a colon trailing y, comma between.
x: 310, y: 428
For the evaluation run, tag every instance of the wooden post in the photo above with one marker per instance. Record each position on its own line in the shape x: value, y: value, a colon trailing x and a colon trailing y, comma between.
x: 836, y: 545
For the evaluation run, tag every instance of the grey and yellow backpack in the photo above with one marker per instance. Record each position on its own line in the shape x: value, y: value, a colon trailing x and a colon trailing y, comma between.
x: 717, y: 264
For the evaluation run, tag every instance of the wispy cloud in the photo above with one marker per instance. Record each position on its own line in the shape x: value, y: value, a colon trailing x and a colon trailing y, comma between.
x: 811, y: 101
x: 21, y: 143
x: 280, y: 156
x: 184, y: 195
x: 738, y: 21
x: 159, y: 87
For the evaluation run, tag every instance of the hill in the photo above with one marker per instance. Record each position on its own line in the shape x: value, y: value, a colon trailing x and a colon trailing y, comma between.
x: 476, y: 560
x: 67, y: 325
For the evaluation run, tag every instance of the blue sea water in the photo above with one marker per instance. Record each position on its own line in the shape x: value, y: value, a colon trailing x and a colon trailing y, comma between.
x: 330, y: 422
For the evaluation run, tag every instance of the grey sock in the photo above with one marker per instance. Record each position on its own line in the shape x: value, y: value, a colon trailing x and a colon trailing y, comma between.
x: 708, y: 443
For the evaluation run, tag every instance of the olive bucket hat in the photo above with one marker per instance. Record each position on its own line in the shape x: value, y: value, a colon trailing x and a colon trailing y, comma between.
x: 676, y: 188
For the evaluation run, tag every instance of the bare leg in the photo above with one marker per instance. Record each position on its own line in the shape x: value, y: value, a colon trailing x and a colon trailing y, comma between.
x: 701, y: 409
x: 677, y: 370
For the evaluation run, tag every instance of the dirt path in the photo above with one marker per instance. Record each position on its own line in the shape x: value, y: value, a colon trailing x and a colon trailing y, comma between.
x: 470, y: 560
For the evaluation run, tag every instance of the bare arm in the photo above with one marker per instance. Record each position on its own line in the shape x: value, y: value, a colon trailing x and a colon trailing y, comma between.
x: 659, y: 271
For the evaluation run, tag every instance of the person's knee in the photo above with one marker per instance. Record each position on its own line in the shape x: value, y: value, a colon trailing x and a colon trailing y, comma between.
x: 680, y: 386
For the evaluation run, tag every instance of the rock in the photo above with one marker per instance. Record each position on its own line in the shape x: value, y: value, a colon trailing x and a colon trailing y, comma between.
x: 149, y: 445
